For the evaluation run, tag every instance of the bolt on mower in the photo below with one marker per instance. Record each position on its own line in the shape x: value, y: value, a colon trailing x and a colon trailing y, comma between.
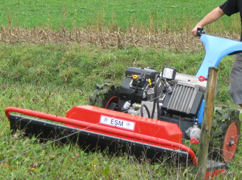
x: 150, y: 113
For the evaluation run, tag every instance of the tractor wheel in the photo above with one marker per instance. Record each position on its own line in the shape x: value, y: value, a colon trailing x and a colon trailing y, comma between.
x: 225, y: 133
x: 105, y: 96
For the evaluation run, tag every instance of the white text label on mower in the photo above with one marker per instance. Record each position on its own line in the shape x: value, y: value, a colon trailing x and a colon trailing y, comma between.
x: 117, y: 123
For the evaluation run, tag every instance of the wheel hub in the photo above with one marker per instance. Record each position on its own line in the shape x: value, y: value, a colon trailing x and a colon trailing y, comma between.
x: 230, y: 142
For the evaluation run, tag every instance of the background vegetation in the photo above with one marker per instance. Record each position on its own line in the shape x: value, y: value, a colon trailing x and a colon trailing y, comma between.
x: 52, y: 54
x: 56, y: 14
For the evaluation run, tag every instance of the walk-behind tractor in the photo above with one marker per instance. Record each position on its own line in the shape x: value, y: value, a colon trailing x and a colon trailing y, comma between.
x: 150, y: 113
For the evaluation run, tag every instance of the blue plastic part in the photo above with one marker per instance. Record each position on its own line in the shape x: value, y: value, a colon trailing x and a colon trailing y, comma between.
x: 216, y: 49
x: 200, y: 112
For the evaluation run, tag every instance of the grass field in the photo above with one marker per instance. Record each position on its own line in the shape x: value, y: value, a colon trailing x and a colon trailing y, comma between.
x: 57, y: 14
x: 53, y: 53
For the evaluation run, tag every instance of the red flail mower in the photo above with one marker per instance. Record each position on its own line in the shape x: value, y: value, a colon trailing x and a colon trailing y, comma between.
x: 150, y: 113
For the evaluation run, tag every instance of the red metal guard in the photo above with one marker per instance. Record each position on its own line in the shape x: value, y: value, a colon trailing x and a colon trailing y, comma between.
x: 83, y: 112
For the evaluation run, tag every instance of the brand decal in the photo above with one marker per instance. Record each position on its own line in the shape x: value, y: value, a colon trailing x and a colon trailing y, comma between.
x: 119, y: 123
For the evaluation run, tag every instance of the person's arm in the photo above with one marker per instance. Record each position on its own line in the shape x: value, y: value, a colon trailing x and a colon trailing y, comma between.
x: 209, y: 18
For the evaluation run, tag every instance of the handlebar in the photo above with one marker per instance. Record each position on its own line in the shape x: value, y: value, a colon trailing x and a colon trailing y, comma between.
x: 200, y: 31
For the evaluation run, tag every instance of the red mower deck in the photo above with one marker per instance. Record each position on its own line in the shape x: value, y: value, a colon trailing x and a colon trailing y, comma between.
x: 98, y: 128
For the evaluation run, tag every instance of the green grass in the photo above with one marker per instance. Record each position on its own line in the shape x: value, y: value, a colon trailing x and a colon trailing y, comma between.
x: 53, y: 162
x: 55, y: 14
x: 75, y: 64
x: 54, y: 78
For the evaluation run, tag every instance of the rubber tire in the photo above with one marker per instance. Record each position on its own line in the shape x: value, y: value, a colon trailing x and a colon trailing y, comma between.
x: 105, y: 96
x: 225, y: 130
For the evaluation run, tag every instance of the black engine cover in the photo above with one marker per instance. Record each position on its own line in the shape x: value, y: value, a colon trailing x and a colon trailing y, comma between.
x: 130, y: 89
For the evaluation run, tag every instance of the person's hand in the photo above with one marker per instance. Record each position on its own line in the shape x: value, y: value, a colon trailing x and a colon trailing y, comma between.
x: 194, y: 30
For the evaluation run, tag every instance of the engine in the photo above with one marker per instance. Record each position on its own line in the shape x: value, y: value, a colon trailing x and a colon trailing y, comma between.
x: 167, y: 96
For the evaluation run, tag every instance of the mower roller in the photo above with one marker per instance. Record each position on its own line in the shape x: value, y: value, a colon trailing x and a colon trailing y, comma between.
x: 150, y: 113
